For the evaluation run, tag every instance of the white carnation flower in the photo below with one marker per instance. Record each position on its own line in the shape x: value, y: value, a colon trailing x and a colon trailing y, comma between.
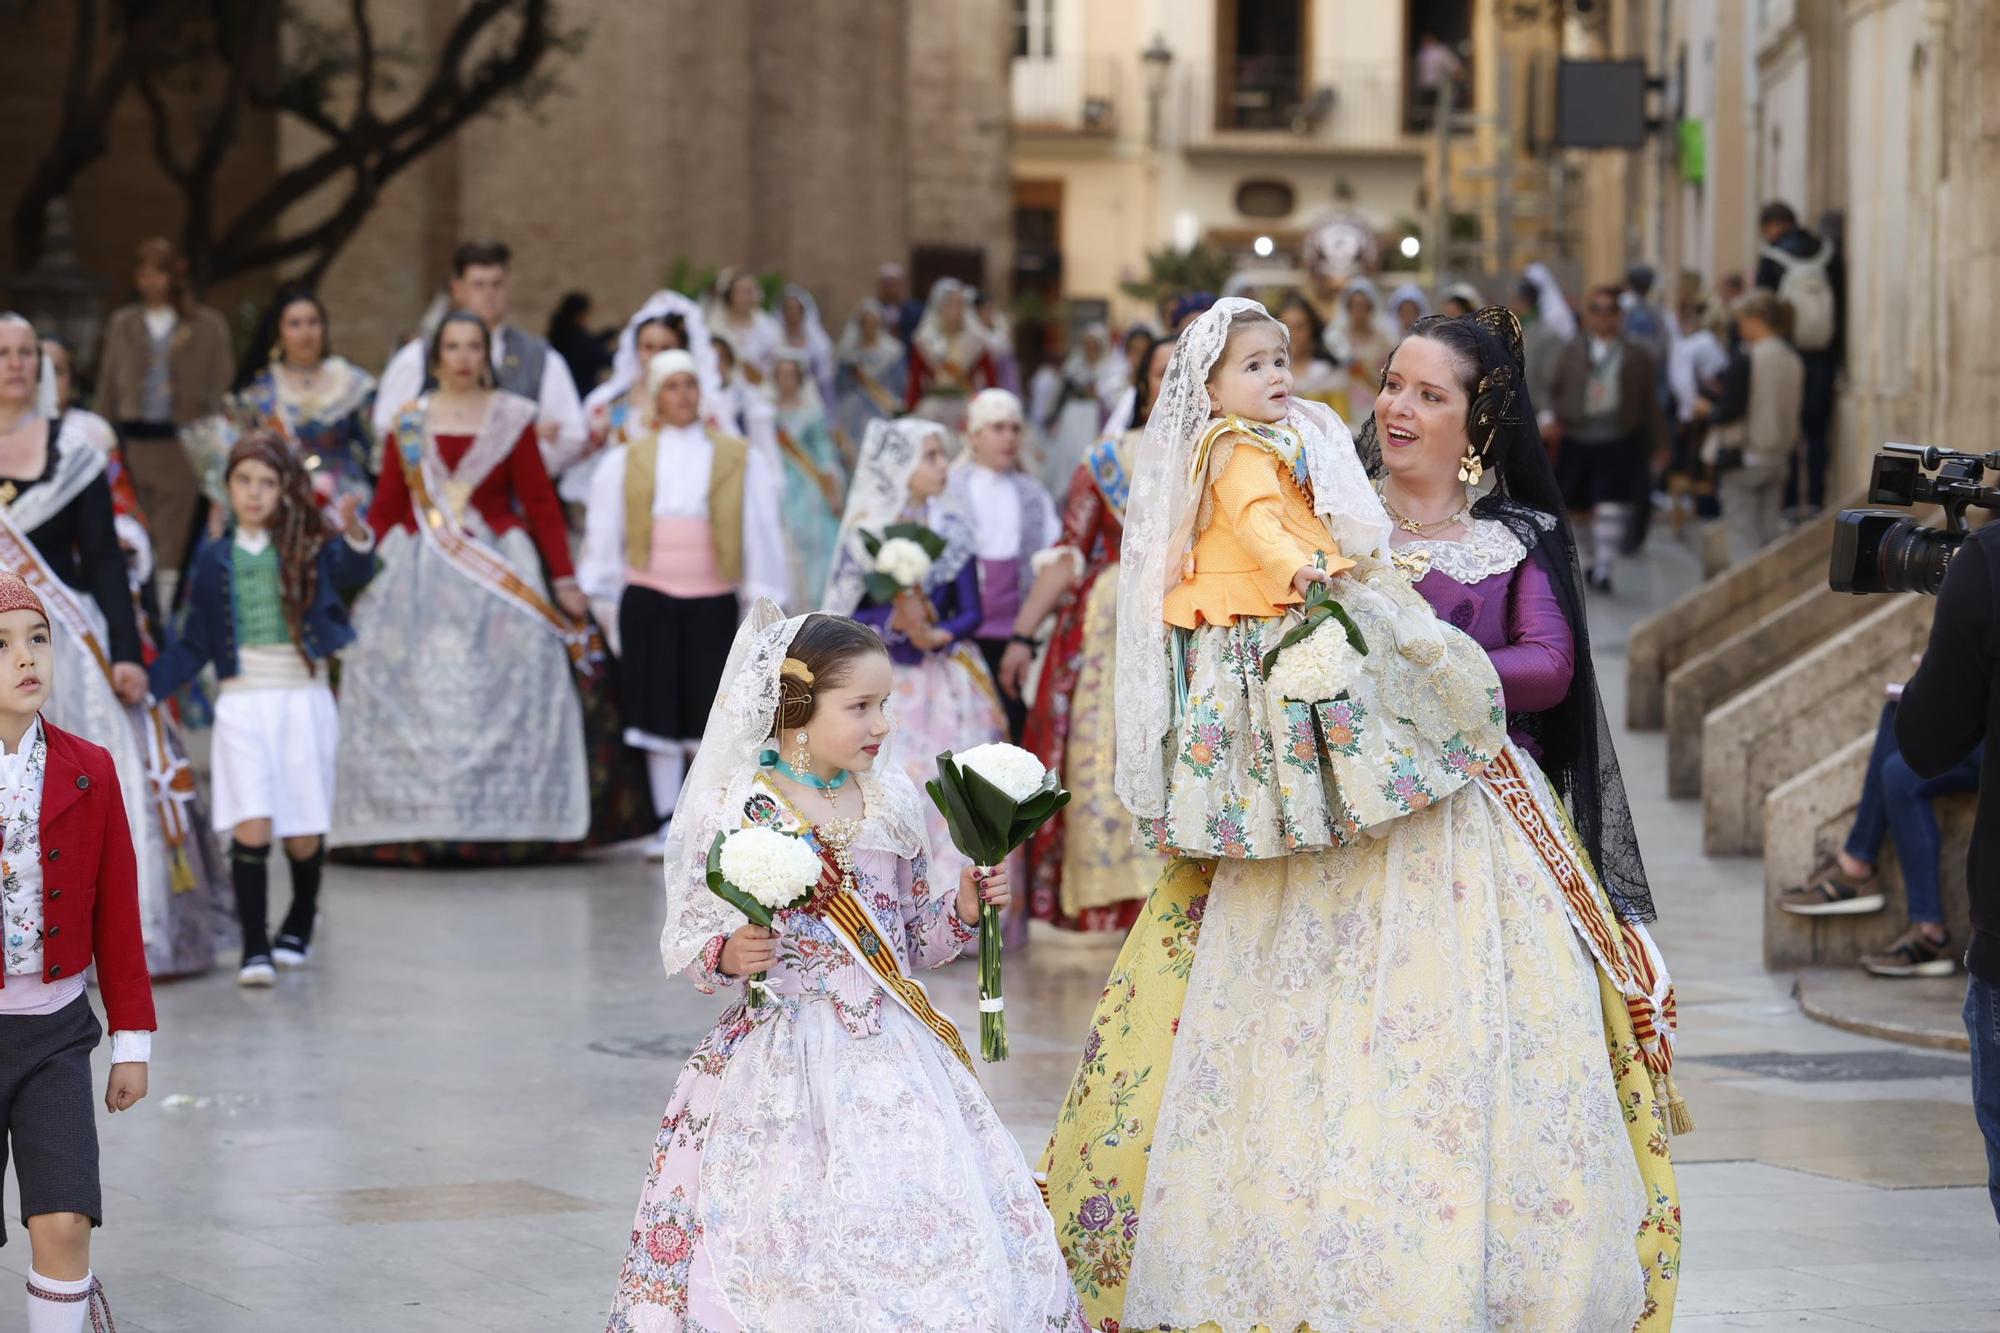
x: 774, y: 868
x: 1008, y: 767
x: 903, y: 560
x: 1317, y: 668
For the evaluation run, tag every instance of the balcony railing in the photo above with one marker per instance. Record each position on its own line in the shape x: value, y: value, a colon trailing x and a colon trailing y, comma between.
x: 1276, y: 103
x: 1060, y: 95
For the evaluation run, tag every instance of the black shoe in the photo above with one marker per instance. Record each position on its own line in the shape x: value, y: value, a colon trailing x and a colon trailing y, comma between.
x: 290, y: 951
x: 1600, y: 583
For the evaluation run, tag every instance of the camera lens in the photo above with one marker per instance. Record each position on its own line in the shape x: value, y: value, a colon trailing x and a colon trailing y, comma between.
x: 1913, y: 558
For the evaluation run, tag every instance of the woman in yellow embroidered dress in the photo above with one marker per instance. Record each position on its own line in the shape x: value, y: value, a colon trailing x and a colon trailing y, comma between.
x: 1363, y: 1085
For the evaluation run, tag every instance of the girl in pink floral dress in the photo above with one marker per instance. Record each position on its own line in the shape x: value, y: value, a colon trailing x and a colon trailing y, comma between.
x: 828, y: 1160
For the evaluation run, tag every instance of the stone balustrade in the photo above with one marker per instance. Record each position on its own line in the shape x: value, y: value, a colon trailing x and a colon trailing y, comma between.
x: 1717, y: 610
x: 1718, y: 674
x: 1786, y: 723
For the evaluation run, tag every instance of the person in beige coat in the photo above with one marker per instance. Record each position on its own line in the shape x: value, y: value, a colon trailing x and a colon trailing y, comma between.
x: 166, y: 362
x: 1755, y: 428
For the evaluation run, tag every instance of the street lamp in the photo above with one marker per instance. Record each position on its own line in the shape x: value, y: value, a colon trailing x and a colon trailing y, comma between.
x: 1411, y: 247
x: 1158, y: 59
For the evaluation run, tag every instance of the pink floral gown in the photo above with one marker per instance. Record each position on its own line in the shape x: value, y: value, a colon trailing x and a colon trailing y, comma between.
x: 826, y: 1162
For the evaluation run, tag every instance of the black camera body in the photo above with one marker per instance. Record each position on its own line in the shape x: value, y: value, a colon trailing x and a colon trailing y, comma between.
x: 1882, y: 551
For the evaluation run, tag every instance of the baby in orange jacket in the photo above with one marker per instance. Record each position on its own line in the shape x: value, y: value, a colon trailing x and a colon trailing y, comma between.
x: 1251, y: 772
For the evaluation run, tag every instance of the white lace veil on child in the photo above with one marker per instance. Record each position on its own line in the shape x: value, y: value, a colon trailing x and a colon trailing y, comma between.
x: 718, y: 783
x: 626, y: 369
x: 880, y: 495
x: 1160, y: 520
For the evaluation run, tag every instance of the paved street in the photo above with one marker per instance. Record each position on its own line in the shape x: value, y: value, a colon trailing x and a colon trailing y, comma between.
x: 444, y: 1125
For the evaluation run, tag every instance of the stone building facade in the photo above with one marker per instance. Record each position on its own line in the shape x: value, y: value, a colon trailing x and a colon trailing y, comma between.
x: 814, y: 137
x: 1876, y: 119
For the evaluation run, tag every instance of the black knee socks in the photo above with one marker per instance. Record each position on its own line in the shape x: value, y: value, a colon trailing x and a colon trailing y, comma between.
x: 298, y: 923
x: 250, y: 871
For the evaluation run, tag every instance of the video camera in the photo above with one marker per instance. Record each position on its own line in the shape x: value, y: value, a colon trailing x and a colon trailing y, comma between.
x: 1875, y: 551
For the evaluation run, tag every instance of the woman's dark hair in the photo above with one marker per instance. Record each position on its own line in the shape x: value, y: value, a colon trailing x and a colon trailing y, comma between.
x: 1313, y: 322
x: 297, y: 531
x: 437, y: 344
x: 264, y: 341
x: 569, y: 314
x: 160, y: 253
x: 674, y: 324
x: 828, y: 645
x: 1142, y: 408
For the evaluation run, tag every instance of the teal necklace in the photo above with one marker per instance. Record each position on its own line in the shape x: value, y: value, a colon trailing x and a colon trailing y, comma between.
x: 824, y: 786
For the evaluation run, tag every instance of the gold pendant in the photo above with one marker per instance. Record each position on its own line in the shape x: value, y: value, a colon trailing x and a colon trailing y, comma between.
x: 1412, y: 564
x: 8, y: 490
x: 457, y: 495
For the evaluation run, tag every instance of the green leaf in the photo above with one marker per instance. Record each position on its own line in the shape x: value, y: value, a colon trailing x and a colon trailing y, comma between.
x: 968, y: 833
x: 931, y: 541
x: 881, y: 588
x: 1354, y: 639
x: 870, y: 542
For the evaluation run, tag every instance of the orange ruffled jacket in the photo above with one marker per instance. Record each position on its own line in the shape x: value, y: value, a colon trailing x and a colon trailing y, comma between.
x: 1263, y: 532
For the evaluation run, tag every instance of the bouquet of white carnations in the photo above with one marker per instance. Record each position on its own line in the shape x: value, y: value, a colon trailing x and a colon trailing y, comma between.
x: 902, y: 556
x: 993, y: 798
x: 761, y: 872
x: 1311, y: 667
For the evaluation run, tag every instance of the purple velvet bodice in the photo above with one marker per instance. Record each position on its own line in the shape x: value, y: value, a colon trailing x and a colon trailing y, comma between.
x: 959, y: 612
x: 1517, y: 619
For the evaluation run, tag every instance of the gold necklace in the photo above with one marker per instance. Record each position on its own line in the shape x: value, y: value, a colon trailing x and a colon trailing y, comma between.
x: 1410, y: 525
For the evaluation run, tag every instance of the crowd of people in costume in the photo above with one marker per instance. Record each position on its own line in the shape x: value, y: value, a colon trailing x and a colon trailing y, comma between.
x: 493, y: 609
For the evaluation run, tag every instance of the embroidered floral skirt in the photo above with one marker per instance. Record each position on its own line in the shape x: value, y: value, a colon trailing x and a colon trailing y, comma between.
x: 1384, y: 1087
x: 807, y: 1179
x: 1088, y: 872
x: 1255, y: 776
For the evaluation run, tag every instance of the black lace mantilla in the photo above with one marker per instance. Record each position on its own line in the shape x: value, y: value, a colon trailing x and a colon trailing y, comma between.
x: 1574, y: 736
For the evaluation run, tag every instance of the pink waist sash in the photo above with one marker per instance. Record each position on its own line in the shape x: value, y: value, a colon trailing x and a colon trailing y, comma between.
x: 682, y: 560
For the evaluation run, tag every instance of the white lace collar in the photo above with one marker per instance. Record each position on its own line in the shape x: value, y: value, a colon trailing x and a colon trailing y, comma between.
x: 1489, y: 548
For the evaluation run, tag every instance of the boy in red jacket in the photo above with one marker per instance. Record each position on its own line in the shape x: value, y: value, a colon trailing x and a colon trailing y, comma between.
x: 68, y: 897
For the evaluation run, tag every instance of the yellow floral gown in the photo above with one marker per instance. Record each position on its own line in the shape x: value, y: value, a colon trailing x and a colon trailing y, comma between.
x: 1401, y: 1085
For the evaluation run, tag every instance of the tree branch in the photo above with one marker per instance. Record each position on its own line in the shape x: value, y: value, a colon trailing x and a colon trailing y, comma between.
x: 82, y: 138
x: 376, y: 150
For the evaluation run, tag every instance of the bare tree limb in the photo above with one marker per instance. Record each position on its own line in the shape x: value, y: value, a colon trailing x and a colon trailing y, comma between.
x: 495, y: 49
x: 88, y: 100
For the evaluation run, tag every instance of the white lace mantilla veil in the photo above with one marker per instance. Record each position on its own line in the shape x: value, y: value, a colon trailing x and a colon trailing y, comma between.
x: 1159, y: 532
x: 718, y: 782
x: 625, y: 368
x: 877, y: 497
x: 819, y: 343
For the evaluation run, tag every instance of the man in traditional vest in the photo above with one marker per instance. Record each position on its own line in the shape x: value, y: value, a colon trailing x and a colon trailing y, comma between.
x: 682, y: 531
x: 522, y: 363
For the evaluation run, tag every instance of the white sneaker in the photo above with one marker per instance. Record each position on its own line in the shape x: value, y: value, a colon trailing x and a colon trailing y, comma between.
x: 656, y: 846
x: 257, y: 972
x: 288, y: 958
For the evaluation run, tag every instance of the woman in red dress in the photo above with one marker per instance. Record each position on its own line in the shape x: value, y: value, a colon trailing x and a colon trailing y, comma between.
x: 464, y: 700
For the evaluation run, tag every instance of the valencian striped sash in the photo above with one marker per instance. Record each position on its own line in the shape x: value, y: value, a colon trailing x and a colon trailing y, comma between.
x: 1622, y: 948
x: 439, y: 524
x: 856, y: 927
x: 169, y: 777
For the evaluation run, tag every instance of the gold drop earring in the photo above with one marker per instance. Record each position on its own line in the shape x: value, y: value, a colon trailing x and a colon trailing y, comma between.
x: 801, y: 758
x: 1471, y: 468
